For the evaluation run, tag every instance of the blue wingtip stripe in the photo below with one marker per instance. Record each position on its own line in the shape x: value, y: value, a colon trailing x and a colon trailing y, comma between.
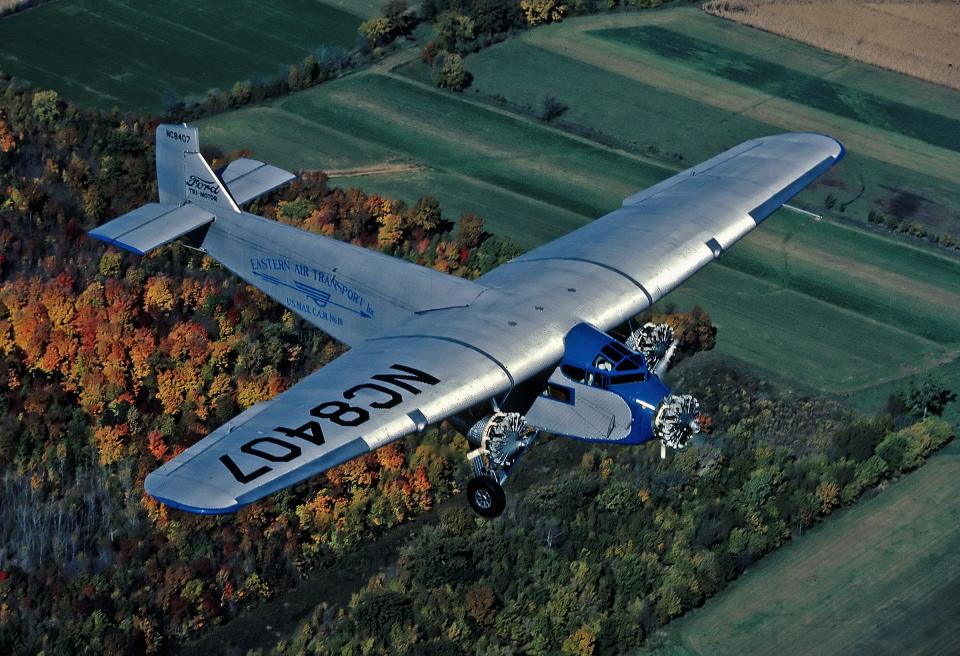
x: 199, y: 511
x: 114, y: 242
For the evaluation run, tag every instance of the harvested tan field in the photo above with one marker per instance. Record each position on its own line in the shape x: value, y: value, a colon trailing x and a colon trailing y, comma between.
x: 10, y: 6
x: 921, y: 39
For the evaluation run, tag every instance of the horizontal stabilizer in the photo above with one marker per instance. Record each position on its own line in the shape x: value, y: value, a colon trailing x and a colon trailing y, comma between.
x: 247, y: 179
x: 152, y: 226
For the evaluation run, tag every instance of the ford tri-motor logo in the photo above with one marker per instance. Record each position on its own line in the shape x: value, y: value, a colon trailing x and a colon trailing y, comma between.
x: 207, y: 189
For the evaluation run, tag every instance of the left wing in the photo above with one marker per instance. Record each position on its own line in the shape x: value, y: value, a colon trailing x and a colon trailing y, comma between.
x: 378, y: 392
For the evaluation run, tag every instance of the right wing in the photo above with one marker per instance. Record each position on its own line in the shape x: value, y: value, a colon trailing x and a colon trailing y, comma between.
x: 378, y: 392
x: 660, y: 236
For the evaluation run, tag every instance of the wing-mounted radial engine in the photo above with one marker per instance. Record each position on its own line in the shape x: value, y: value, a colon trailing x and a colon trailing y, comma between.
x: 656, y: 343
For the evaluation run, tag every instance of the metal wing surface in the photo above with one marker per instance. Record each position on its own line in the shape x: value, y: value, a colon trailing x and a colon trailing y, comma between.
x: 662, y: 235
x: 378, y: 392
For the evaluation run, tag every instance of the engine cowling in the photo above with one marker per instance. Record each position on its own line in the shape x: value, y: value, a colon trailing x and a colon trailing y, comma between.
x: 677, y: 420
x: 655, y: 341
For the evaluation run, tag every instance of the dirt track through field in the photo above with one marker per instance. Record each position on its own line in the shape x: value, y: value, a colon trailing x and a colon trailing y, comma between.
x: 375, y: 169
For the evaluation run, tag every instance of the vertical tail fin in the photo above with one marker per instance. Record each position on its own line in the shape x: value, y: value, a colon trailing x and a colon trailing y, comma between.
x: 183, y: 174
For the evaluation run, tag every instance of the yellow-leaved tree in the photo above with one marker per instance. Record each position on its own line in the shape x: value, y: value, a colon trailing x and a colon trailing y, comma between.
x: 543, y: 11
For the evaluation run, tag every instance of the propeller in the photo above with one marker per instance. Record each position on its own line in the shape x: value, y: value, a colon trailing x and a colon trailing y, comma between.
x: 655, y: 341
x: 677, y: 420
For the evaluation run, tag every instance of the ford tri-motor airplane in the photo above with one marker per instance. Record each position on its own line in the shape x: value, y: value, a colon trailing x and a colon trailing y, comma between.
x: 520, y: 350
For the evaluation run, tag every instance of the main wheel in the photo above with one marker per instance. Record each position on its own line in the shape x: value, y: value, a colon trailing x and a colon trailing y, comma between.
x: 486, y: 497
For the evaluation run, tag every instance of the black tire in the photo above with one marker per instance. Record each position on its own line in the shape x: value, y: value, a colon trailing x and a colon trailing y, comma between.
x: 486, y: 497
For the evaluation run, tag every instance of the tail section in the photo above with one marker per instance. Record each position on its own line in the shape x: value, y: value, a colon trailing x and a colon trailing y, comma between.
x: 183, y: 174
x: 349, y: 292
x: 191, y: 194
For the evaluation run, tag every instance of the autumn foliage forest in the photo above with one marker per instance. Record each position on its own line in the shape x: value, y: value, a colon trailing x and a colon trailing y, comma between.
x: 113, y: 363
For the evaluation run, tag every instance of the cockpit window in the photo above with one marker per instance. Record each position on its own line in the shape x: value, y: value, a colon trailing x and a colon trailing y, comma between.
x: 619, y: 349
x: 628, y: 378
x: 603, y: 364
x: 575, y: 374
x: 607, y: 350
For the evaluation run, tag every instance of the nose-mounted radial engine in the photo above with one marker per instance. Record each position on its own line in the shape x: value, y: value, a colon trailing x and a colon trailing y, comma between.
x: 602, y: 391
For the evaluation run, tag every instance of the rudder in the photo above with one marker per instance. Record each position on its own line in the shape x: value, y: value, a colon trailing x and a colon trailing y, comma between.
x: 183, y: 174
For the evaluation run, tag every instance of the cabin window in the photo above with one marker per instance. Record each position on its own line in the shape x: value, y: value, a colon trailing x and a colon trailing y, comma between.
x: 559, y: 393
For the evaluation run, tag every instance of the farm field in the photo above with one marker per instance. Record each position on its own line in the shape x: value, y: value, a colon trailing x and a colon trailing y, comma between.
x: 800, y: 338
x: 880, y: 578
x: 127, y: 54
x: 910, y: 37
x: 872, y: 276
x: 720, y: 83
x: 416, y: 124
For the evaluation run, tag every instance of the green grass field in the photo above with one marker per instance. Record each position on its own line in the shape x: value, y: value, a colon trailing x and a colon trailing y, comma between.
x: 400, y: 120
x: 878, y: 278
x: 109, y: 53
x: 800, y: 338
x: 776, y: 79
x: 880, y: 578
x: 683, y: 82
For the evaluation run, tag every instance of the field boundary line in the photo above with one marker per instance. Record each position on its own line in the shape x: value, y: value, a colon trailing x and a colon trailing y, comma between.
x: 527, y: 120
x: 654, y: 70
x: 779, y: 287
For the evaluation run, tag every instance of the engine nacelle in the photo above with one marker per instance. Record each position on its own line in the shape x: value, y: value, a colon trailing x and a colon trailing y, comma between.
x: 501, y: 436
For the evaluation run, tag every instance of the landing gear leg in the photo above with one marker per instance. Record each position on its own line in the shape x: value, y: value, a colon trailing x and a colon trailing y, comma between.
x: 500, y: 440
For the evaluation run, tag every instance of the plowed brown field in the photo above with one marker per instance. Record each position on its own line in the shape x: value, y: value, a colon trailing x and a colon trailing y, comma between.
x: 921, y: 39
